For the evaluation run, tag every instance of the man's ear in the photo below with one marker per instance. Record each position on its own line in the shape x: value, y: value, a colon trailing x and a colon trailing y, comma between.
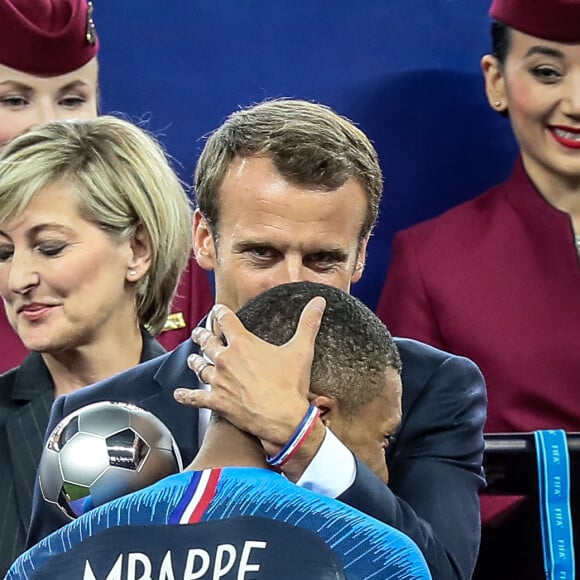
x: 494, y: 83
x: 328, y: 406
x: 204, y: 248
x: 140, y: 255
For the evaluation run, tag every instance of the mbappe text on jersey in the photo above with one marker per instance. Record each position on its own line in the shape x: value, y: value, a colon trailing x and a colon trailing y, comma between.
x: 199, y: 564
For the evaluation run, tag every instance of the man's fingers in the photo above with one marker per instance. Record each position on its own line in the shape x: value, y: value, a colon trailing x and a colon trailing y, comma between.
x: 210, y: 345
x: 309, y: 322
x: 227, y: 325
x: 193, y: 397
x: 202, y: 367
x: 225, y: 322
x: 205, y: 339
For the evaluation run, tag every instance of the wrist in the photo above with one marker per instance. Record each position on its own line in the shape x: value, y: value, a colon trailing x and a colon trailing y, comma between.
x: 299, y: 462
x: 281, y: 430
x: 296, y: 440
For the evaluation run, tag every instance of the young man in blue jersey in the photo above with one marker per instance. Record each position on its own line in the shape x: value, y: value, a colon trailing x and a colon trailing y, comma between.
x: 248, y: 520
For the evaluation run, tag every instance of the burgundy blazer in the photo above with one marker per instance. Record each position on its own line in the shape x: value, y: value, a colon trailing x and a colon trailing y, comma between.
x: 193, y: 300
x: 12, y: 351
x: 497, y: 279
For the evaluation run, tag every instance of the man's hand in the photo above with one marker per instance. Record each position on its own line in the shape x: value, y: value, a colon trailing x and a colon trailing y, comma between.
x: 258, y: 387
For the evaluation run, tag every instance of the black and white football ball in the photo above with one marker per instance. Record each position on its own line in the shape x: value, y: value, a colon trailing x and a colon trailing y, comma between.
x: 104, y: 451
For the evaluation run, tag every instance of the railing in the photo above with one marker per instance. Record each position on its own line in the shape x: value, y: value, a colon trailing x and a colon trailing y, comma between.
x: 511, y: 466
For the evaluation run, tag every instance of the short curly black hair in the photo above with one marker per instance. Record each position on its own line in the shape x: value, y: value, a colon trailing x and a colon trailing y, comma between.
x: 353, y: 348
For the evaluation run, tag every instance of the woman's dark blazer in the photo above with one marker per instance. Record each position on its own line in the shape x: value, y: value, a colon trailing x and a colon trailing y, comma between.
x: 26, y: 396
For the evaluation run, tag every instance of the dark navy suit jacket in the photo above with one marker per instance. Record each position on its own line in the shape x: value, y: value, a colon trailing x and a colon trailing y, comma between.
x: 435, y: 461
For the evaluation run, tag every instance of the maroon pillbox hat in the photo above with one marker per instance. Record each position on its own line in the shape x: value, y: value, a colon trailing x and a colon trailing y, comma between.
x: 557, y: 20
x: 47, y: 37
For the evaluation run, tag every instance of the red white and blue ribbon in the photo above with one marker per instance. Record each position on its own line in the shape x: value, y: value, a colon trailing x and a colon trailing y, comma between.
x: 297, y: 439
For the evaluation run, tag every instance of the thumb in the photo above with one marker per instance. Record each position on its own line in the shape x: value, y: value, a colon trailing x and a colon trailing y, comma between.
x: 302, y: 343
x: 309, y: 324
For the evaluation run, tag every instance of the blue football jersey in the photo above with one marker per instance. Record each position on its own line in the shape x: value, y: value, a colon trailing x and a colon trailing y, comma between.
x: 235, y: 522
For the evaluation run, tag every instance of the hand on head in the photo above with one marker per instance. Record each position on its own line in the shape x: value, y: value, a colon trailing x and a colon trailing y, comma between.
x: 258, y: 387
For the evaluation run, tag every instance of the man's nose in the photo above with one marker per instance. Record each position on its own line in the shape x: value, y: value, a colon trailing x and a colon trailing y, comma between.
x: 293, y: 270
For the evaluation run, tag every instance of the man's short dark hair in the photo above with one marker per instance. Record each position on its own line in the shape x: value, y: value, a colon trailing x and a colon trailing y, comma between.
x: 353, y: 348
x: 309, y: 144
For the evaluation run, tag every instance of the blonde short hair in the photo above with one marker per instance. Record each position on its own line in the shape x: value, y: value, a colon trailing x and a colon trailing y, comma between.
x: 124, y: 180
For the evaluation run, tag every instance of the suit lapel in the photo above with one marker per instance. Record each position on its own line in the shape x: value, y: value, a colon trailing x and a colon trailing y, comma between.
x: 174, y: 371
x: 151, y: 348
x: 183, y: 421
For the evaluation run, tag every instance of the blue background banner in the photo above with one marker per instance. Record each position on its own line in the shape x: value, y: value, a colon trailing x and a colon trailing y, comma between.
x: 406, y: 71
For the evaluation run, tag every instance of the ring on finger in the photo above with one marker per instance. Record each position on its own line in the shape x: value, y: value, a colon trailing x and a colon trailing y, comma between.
x: 202, y: 368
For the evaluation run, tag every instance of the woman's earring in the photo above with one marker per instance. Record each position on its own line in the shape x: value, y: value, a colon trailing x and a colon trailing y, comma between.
x: 132, y: 273
x: 497, y: 103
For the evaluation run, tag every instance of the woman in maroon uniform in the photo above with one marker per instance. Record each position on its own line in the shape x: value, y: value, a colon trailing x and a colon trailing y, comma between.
x: 497, y: 279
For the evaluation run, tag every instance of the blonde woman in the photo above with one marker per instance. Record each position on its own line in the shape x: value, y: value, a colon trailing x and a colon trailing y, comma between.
x: 95, y: 232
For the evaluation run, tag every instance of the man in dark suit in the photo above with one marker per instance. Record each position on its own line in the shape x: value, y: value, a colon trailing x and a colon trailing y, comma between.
x: 289, y: 191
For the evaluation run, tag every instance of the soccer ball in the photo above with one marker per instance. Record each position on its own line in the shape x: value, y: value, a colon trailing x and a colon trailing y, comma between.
x: 103, y: 451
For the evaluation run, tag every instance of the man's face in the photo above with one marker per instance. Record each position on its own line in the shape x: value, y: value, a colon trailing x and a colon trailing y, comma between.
x: 272, y: 232
x: 367, y: 432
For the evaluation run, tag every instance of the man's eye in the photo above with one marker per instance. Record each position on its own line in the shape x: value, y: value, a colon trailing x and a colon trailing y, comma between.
x: 324, y: 261
x: 324, y: 258
x: 261, y: 252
